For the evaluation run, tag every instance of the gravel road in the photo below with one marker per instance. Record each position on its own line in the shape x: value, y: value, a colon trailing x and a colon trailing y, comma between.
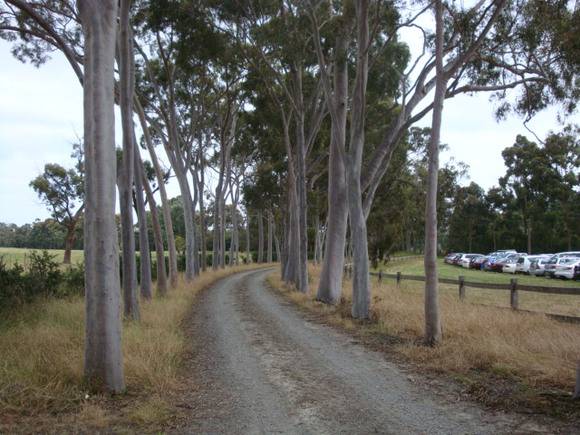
x: 261, y: 367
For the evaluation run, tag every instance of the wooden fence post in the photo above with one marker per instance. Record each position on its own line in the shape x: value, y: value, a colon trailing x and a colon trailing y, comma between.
x: 461, y: 288
x: 514, y: 293
x: 380, y: 276
x: 398, y: 279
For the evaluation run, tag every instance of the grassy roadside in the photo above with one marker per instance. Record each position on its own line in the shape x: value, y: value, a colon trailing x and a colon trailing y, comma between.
x: 502, y: 358
x: 41, y: 348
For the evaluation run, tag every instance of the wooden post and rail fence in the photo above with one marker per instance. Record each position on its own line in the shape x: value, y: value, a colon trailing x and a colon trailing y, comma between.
x: 462, y: 284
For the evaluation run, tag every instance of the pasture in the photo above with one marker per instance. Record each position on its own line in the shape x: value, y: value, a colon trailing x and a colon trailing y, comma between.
x: 18, y: 255
x: 568, y: 305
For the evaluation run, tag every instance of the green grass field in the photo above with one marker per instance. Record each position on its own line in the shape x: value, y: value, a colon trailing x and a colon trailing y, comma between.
x: 415, y: 267
x: 568, y: 305
x: 18, y: 255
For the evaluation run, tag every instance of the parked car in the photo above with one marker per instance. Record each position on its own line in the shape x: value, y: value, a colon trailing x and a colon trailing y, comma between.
x: 508, y: 260
x: 577, y: 272
x: 455, y: 260
x: 566, y: 268
x: 537, y: 266
x: 490, y: 261
x: 555, y: 260
x: 551, y: 265
x: 497, y: 264
x: 466, y: 259
x: 477, y: 262
x: 449, y: 257
x: 509, y: 265
x: 524, y: 262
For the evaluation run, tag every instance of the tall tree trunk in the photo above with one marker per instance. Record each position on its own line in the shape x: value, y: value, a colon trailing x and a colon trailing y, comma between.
x: 145, y: 256
x: 68, y: 244
x: 215, y: 261
x: 222, y: 233
x: 270, y: 237
x: 188, y: 207
x: 330, y: 284
x: 103, y: 364
x: 301, y: 184
x: 201, y: 183
x: 157, y: 235
x: 277, y: 244
x: 290, y: 269
x: 70, y: 238
x: 248, y: 251
x: 360, y: 283
x: 127, y: 87
x: 529, y: 237
x: 432, y: 315
x: 165, y: 205
x: 260, y: 237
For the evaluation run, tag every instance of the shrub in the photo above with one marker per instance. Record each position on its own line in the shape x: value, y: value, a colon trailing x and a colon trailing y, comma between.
x: 40, y: 276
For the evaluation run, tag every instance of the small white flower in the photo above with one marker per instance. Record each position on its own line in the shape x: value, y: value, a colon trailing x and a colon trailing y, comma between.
x: 86, y: 396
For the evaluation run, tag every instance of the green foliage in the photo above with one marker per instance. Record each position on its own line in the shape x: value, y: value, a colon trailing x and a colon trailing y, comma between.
x: 41, y: 276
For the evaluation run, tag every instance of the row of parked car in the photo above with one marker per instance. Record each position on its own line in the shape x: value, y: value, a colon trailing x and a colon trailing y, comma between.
x: 565, y: 265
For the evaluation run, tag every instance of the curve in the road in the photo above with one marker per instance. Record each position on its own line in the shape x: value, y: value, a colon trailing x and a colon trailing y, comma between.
x: 263, y: 368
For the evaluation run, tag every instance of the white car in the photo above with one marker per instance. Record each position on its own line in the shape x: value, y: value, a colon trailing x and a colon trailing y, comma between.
x: 565, y: 269
x: 537, y: 268
x: 509, y: 266
x: 466, y: 259
x: 523, y: 264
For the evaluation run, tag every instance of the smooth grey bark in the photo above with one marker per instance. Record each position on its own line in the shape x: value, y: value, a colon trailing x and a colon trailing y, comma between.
x: 301, y: 184
x: 103, y: 360
x: 200, y: 180
x: 290, y: 268
x: 277, y: 244
x: 432, y: 316
x: 227, y: 139
x: 188, y: 208
x: 270, y: 238
x: 126, y: 174
x: 260, y: 236
x: 361, y: 294
x: 235, y: 240
x: 157, y: 235
x: 165, y: 205
x: 248, y: 253
x: 330, y: 285
x: 145, y: 283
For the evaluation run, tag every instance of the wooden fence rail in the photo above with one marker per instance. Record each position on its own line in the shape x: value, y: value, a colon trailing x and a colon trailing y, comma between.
x: 462, y: 284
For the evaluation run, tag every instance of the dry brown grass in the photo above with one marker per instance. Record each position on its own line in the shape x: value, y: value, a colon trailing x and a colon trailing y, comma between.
x: 530, y: 347
x: 41, y: 356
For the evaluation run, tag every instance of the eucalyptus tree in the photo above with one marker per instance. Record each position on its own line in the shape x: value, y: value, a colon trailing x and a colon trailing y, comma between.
x: 62, y: 191
x: 176, y: 139
x: 103, y: 354
x: 286, y: 67
x: 161, y: 177
x: 487, y: 48
x: 145, y: 281
x: 127, y: 167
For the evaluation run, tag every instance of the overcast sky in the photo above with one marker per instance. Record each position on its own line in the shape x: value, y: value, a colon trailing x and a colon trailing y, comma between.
x: 41, y: 116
